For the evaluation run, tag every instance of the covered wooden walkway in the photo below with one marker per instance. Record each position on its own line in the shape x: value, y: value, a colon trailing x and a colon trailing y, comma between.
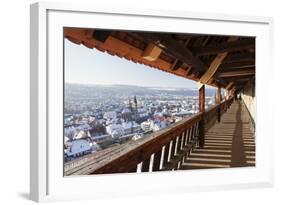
x: 219, y: 136
x: 229, y: 143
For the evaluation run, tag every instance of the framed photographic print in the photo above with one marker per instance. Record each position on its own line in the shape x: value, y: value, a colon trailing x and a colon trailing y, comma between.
x: 128, y: 102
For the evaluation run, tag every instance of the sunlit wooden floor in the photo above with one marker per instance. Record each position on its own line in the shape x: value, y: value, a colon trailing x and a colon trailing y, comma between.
x: 229, y: 143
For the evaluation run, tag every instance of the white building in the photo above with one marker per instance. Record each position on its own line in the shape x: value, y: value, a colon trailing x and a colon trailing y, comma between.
x: 115, y: 130
x: 130, y: 127
x: 78, y: 147
x: 147, y: 126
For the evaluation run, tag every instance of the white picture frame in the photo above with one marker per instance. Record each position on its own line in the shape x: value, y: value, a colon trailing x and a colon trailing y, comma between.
x: 46, y: 177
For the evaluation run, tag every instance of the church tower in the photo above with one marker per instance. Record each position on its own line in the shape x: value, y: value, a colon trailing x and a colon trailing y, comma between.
x: 130, y: 105
x: 136, y: 108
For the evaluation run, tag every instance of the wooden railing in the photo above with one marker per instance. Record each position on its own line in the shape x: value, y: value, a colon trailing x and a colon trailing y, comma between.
x: 214, y: 113
x: 163, y: 150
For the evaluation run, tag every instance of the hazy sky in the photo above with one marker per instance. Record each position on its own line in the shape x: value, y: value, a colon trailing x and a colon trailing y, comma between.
x: 90, y: 66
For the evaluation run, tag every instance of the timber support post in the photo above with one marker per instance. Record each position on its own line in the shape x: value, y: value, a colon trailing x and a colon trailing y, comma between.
x: 202, y: 121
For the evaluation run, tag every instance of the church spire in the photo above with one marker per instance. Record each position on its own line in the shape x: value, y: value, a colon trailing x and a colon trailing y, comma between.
x: 136, y: 107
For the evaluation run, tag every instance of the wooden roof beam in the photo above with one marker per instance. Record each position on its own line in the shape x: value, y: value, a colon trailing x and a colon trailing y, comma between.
x: 174, y: 48
x: 237, y: 66
x: 151, y: 52
x: 177, y: 64
x: 225, y: 47
x: 229, y: 85
x: 232, y: 91
x: 101, y: 35
x: 241, y: 57
x: 236, y: 73
x: 238, y: 78
x: 233, y: 64
x: 214, y: 65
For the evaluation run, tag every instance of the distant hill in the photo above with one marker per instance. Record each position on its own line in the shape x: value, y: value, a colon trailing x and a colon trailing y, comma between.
x: 72, y: 89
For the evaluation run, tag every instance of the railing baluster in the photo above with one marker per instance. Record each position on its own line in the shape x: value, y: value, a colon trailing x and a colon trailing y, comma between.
x: 176, y: 145
x: 162, y: 157
x: 151, y: 163
x: 170, y: 150
x: 179, y: 144
x: 181, y: 159
x: 183, y: 139
x: 192, y: 133
x: 195, y: 132
x: 178, y: 165
x: 186, y: 137
x: 139, y: 167
x: 173, y: 149
x: 156, y: 161
x: 166, y: 154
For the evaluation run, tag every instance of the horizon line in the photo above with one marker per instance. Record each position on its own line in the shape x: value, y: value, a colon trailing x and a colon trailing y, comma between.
x: 94, y: 84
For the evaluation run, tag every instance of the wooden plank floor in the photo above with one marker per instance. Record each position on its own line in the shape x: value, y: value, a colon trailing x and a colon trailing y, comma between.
x: 229, y: 143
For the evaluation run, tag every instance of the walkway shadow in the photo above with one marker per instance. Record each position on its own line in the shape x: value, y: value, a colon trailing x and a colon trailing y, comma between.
x: 229, y: 143
x: 238, y: 158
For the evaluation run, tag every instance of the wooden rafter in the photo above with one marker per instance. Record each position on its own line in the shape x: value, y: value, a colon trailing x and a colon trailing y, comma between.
x: 177, y: 64
x: 225, y: 47
x: 233, y: 89
x: 237, y: 66
x: 101, y: 35
x: 214, y: 65
x: 238, y: 78
x: 188, y: 70
x: 241, y: 57
x: 229, y: 85
x: 151, y: 52
x: 236, y: 73
x: 174, y: 48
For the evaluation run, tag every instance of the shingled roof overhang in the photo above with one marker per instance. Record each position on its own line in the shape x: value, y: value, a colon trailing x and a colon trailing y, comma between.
x: 216, y: 60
